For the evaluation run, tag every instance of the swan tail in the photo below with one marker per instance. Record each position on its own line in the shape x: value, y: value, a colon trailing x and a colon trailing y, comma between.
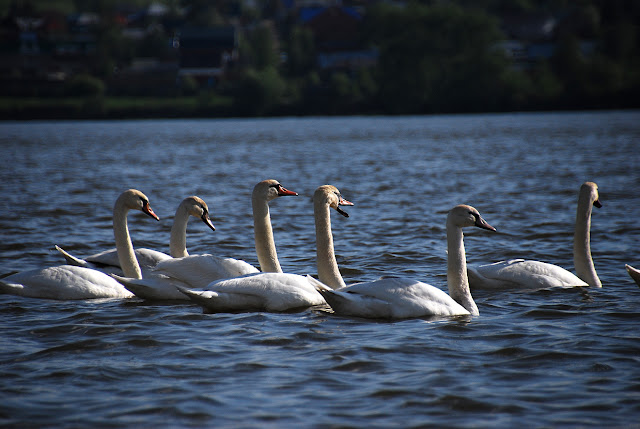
x: 334, y: 299
x: 71, y: 260
x: 195, y: 296
x: 356, y: 305
x: 138, y: 289
x: 10, y: 288
x: 317, y: 284
x: 634, y: 273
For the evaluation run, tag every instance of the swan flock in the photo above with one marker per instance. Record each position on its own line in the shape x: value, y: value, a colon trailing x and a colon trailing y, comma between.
x: 223, y: 284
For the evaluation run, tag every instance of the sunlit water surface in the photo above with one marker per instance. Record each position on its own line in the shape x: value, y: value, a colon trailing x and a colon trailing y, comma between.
x: 552, y: 358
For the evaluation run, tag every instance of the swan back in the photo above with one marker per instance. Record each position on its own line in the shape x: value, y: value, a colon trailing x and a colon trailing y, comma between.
x: 260, y: 291
x: 63, y: 282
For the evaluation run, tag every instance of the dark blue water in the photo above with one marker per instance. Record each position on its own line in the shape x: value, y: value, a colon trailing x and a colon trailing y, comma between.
x: 551, y: 358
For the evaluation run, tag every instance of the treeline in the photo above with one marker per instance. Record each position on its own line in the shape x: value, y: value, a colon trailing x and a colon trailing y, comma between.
x: 433, y: 57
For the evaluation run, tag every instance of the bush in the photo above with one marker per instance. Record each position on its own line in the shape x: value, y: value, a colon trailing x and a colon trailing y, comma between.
x: 85, y: 85
x: 258, y: 92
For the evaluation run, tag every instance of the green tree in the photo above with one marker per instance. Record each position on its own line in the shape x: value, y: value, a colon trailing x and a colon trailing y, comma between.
x: 301, y: 55
x: 429, y: 61
x: 85, y: 85
x: 258, y: 92
x: 260, y: 47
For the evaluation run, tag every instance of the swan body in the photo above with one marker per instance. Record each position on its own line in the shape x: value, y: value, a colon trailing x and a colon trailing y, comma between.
x: 273, y: 292
x: 528, y: 274
x: 66, y: 282
x: 63, y: 282
x: 195, y: 271
x: 198, y: 271
x: 516, y: 273
x: 392, y: 298
x: 107, y: 261
x: 276, y: 291
x: 154, y: 287
x: 400, y: 298
x: 634, y: 273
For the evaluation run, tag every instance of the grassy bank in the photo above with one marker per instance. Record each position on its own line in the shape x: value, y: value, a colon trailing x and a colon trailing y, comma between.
x: 12, y: 108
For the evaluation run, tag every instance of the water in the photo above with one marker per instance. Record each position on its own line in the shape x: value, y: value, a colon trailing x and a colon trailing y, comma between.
x: 550, y: 358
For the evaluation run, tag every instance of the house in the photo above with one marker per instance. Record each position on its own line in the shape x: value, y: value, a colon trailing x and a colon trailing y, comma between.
x: 531, y: 39
x: 206, y: 54
x: 336, y: 31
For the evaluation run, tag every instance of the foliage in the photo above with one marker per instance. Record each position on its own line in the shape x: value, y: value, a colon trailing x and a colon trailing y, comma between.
x: 433, y: 57
x: 259, y: 48
x: 258, y: 92
x: 301, y: 51
x: 428, y: 62
x: 85, y: 85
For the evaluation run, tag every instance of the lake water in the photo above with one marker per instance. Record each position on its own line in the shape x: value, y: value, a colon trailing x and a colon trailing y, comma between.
x: 551, y: 358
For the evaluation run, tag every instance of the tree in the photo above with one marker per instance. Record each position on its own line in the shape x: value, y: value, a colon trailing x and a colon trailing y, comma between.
x: 260, y: 47
x: 429, y: 62
x: 301, y: 55
x: 259, y: 91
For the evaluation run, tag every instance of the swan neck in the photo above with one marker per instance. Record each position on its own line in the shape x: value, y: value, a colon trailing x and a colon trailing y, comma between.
x: 582, y: 260
x: 263, y: 234
x: 124, y: 246
x: 178, y: 241
x: 457, y: 280
x: 328, y: 271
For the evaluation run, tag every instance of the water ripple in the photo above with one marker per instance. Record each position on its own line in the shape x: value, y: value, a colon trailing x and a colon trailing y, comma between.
x: 547, y: 358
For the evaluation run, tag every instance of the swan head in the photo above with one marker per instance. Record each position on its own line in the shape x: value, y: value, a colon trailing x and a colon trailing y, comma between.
x: 271, y: 189
x: 590, y: 189
x: 135, y: 200
x: 330, y: 195
x: 463, y: 216
x: 196, y: 207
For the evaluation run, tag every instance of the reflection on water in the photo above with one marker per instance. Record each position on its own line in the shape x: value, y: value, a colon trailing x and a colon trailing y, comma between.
x: 546, y: 358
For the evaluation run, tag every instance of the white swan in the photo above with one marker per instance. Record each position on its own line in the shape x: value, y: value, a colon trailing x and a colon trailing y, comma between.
x: 401, y: 298
x: 278, y: 291
x: 72, y: 282
x: 108, y: 262
x: 197, y: 271
x: 527, y: 274
x: 634, y: 273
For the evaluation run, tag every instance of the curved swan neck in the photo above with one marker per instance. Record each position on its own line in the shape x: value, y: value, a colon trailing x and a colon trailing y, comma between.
x: 328, y: 271
x: 582, y: 260
x: 178, y: 242
x: 457, y: 280
x: 263, y: 234
x: 124, y: 246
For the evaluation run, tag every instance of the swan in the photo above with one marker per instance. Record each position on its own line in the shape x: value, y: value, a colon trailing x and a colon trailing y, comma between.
x: 197, y: 271
x: 402, y: 298
x: 528, y: 274
x: 277, y: 292
x: 72, y: 282
x: 634, y: 273
x: 107, y: 261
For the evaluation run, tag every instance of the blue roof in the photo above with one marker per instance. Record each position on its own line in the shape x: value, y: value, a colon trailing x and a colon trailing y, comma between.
x: 308, y: 13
